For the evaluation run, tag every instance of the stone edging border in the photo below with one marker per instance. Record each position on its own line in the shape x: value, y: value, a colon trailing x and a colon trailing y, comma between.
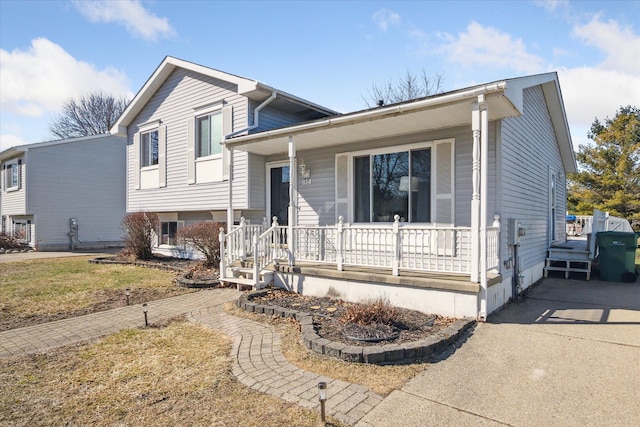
x: 421, y: 350
x: 180, y: 279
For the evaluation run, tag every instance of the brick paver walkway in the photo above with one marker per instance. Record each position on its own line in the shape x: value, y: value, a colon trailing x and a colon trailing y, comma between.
x: 258, y: 364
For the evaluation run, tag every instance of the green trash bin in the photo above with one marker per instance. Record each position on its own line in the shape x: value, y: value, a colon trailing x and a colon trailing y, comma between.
x: 617, y: 256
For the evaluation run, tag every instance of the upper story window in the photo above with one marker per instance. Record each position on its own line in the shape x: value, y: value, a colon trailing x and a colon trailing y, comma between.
x: 12, y: 175
x: 209, y: 134
x: 149, y: 147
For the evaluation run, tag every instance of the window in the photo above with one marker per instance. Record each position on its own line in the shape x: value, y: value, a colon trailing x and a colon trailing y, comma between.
x: 149, y: 147
x: 168, y: 232
x: 389, y: 184
x: 12, y: 175
x: 22, y: 231
x: 209, y: 135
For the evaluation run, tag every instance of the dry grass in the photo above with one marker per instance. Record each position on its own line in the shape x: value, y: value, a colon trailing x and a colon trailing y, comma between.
x: 176, y: 375
x: 380, y: 379
x: 42, y: 290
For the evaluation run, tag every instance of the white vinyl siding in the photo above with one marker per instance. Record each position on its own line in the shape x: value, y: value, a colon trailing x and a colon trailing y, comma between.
x: 529, y: 152
x: 87, y: 183
x: 174, y: 104
x: 13, y: 199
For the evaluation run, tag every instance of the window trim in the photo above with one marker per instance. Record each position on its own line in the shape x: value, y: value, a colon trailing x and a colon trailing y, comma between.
x: 142, y: 159
x: 389, y: 150
x: 9, y: 165
x: 208, y: 112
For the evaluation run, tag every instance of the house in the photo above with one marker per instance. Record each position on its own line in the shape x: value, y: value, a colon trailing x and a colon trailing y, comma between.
x: 65, y: 194
x: 176, y: 165
x: 446, y: 204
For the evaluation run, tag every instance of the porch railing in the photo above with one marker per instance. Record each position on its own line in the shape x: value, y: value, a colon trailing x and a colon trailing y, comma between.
x: 396, y: 247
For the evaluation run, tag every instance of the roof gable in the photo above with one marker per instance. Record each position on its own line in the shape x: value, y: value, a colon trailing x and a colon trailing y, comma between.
x: 252, y: 89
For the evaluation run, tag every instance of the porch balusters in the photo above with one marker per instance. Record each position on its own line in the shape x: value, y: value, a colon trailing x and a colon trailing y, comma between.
x: 397, y: 245
x: 340, y: 248
x: 223, y: 264
x: 257, y: 262
x: 243, y: 245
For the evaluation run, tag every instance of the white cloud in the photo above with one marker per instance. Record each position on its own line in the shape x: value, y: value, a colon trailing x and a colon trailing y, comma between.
x: 620, y: 45
x: 551, y: 5
x: 8, y: 141
x: 40, y: 79
x: 589, y: 93
x: 130, y: 13
x: 385, y: 18
x: 487, y: 46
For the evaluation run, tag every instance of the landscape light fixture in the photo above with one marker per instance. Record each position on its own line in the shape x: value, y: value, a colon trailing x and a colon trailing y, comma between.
x: 145, y: 309
x: 127, y: 292
x: 322, y: 390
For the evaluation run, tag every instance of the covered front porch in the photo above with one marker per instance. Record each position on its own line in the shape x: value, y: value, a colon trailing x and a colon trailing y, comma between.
x: 428, y: 230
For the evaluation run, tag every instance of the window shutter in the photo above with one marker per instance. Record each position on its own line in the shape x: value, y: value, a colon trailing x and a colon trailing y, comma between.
x: 444, y: 182
x: 227, y: 128
x: 342, y: 187
x: 162, y: 155
x: 136, y: 161
x: 3, y: 178
x: 19, y: 173
x: 191, y: 151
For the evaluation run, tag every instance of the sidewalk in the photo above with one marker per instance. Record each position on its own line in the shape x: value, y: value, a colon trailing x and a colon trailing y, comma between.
x: 258, y: 361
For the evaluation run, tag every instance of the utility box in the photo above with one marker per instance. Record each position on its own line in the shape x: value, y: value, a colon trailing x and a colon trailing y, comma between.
x: 514, y: 232
x: 617, y: 256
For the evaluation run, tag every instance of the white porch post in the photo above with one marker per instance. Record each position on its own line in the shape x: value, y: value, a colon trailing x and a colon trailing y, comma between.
x: 293, y: 192
x: 484, y: 196
x: 230, y: 207
x: 475, y: 197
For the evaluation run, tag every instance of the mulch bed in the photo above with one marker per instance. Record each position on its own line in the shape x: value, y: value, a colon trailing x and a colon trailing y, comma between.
x: 409, y: 325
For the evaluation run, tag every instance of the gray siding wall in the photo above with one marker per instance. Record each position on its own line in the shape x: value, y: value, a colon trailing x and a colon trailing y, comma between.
x: 14, y: 202
x: 83, y: 180
x: 173, y: 104
x: 317, y: 200
x: 529, y: 149
x: 272, y: 118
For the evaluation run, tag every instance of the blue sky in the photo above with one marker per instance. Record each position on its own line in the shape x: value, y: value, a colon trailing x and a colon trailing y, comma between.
x: 327, y: 52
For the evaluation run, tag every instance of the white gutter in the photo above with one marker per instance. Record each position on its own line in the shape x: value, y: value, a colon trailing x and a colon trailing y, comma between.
x: 369, y: 114
x: 256, y: 116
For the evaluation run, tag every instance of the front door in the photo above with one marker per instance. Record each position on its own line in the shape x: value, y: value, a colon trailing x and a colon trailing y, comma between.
x: 278, y: 197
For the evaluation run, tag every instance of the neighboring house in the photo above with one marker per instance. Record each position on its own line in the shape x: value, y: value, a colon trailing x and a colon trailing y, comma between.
x: 446, y: 204
x: 176, y: 165
x: 66, y: 194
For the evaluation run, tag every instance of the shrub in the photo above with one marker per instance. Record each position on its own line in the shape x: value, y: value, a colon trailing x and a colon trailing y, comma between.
x: 378, y: 310
x: 140, y: 229
x: 9, y: 241
x: 202, y: 236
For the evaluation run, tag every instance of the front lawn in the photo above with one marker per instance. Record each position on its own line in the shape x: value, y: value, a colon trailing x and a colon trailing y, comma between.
x: 38, y: 291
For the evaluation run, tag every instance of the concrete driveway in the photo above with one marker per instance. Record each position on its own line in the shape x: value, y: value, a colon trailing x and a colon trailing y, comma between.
x: 568, y: 355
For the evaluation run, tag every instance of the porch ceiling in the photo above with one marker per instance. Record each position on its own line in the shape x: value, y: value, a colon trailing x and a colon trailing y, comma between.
x: 370, y: 125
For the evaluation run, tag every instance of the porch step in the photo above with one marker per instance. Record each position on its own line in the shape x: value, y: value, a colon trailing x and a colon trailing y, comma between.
x: 568, y: 266
x: 242, y: 277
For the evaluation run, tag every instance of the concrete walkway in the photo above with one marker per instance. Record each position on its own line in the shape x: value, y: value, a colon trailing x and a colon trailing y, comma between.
x: 258, y: 361
x: 568, y: 355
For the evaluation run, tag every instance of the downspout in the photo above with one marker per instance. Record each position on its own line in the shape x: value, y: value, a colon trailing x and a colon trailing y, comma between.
x: 256, y: 123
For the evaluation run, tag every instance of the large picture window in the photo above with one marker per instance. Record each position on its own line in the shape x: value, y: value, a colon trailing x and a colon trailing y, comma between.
x: 149, y: 148
x: 209, y: 135
x: 396, y: 183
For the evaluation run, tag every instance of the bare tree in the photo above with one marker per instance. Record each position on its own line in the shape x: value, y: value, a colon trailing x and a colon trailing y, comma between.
x: 408, y: 87
x: 92, y: 114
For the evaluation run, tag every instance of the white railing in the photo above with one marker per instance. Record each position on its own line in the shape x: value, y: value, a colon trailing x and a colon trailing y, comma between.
x: 396, y: 247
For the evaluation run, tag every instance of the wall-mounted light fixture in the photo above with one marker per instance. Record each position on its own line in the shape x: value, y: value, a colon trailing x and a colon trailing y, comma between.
x: 305, y: 172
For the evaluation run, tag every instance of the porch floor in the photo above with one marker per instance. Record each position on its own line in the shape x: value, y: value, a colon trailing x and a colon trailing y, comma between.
x: 444, y: 281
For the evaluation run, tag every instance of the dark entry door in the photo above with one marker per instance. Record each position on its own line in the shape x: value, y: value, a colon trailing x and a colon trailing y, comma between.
x: 279, y: 194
